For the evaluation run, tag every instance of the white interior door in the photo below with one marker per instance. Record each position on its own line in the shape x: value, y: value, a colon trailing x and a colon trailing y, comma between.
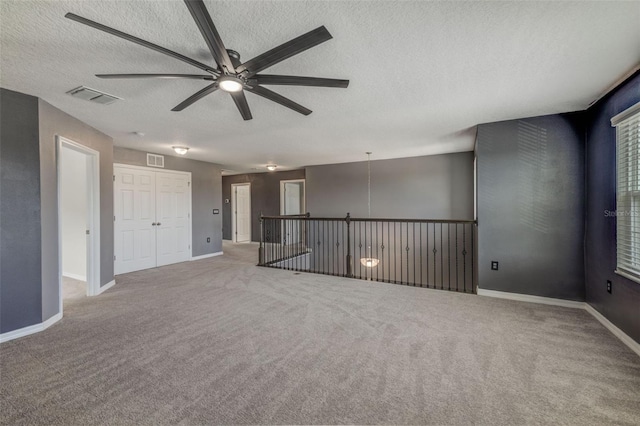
x: 292, y: 203
x: 135, y: 217
x: 242, y: 215
x: 152, y: 218
x: 173, y: 217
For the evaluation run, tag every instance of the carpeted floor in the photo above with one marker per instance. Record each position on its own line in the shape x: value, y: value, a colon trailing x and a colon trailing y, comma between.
x: 220, y: 341
x: 73, y: 289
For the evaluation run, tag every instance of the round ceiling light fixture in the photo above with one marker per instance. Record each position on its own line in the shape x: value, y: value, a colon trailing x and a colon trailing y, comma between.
x: 181, y: 150
x: 230, y: 84
x: 271, y: 167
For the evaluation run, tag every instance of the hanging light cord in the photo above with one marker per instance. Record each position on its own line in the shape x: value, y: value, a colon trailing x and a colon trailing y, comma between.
x: 369, y: 181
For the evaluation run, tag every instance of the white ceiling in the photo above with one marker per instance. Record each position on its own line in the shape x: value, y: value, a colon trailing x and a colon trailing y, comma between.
x: 423, y: 74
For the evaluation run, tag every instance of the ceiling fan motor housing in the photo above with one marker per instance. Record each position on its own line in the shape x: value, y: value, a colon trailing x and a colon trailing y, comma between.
x: 235, y: 58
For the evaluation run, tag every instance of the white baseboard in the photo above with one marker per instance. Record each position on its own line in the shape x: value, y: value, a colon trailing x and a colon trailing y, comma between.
x: 106, y: 287
x: 74, y: 276
x: 25, y: 331
x: 206, y: 256
x: 633, y: 345
x: 531, y: 299
x: 624, y: 337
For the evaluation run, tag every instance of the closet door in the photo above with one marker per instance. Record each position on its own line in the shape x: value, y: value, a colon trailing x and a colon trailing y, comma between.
x: 173, y: 216
x: 135, y: 217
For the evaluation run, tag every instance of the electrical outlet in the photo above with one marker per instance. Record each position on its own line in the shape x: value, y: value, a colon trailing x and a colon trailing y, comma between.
x: 608, y: 286
x: 208, y: 239
x: 494, y: 265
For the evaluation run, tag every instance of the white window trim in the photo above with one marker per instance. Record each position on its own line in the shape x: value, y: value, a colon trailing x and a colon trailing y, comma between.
x: 627, y: 269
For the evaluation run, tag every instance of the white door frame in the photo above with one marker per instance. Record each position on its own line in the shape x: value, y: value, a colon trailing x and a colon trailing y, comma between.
x: 156, y: 169
x: 304, y: 194
x: 93, y: 214
x: 287, y: 223
x: 233, y: 210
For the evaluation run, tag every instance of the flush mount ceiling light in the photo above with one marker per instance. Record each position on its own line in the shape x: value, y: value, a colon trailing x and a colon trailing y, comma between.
x: 271, y: 167
x: 181, y: 150
x: 230, y: 84
x: 369, y: 262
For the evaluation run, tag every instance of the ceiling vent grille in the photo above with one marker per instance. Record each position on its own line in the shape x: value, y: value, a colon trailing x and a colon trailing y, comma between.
x: 93, y: 95
x: 155, y: 160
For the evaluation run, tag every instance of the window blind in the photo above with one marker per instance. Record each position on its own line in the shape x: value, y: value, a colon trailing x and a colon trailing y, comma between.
x: 628, y: 193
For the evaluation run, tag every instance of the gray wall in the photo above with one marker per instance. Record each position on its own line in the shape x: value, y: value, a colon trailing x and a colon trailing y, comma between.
x: 265, y: 197
x: 531, y: 206
x: 622, y: 305
x: 20, y: 240
x: 430, y: 187
x: 54, y: 122
x: 206, y: 195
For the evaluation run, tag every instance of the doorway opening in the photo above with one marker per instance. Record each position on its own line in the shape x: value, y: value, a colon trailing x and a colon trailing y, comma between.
x: 78, y: 220
x: 292, y: 202
x: 241, y: 212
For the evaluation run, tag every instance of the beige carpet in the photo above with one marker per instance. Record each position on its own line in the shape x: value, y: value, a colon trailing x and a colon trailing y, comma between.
x: 73, y: 289
x: 220, y: 341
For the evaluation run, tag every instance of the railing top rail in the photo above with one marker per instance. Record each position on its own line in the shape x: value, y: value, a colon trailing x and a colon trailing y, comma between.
x: 373, y: 219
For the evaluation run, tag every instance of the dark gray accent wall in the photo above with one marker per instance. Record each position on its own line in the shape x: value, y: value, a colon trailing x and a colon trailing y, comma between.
x: 622, y: 306
x: 54, y: 122
x: 530, y: 177
x: 20, y: 243
x: 429, y: 187
x: 265, y: 197
x: 206, y: 195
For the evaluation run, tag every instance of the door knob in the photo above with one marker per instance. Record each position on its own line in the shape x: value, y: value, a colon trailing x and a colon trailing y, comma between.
x: 153, y: 224
x: 159, y: 224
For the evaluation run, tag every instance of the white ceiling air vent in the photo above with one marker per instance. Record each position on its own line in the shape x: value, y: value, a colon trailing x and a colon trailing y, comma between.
x: 93, y: 95
x: 155, y: 160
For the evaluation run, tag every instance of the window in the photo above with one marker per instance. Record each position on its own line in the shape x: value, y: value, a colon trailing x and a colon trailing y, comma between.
x: 627, y: 126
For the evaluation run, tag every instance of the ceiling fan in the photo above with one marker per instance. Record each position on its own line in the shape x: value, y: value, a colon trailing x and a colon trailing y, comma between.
x: 230, y: 74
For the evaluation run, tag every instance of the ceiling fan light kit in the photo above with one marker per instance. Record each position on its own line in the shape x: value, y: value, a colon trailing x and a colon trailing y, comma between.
x: 230, y: 84
x: 271, y: 167
x: 231, y: 75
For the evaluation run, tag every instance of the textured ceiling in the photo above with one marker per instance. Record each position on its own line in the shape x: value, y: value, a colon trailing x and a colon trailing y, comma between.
x: 423, y: 74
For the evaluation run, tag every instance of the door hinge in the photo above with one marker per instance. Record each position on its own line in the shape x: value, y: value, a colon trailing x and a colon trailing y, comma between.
x: 114, y: 218
x: 189, y: 247
x: 188, y: 183
x: 114, y: 178
x: 114, y: 257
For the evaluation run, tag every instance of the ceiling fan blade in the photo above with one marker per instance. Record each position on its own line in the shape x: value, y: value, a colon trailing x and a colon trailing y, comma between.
x: 287, y: 80
x: 284, y: 51
x: 208, y: 30
x: 141, y: 42
x: 169, y: 76
x: 196, y: 97
x: 241, y: 102
x: 275, y: 97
